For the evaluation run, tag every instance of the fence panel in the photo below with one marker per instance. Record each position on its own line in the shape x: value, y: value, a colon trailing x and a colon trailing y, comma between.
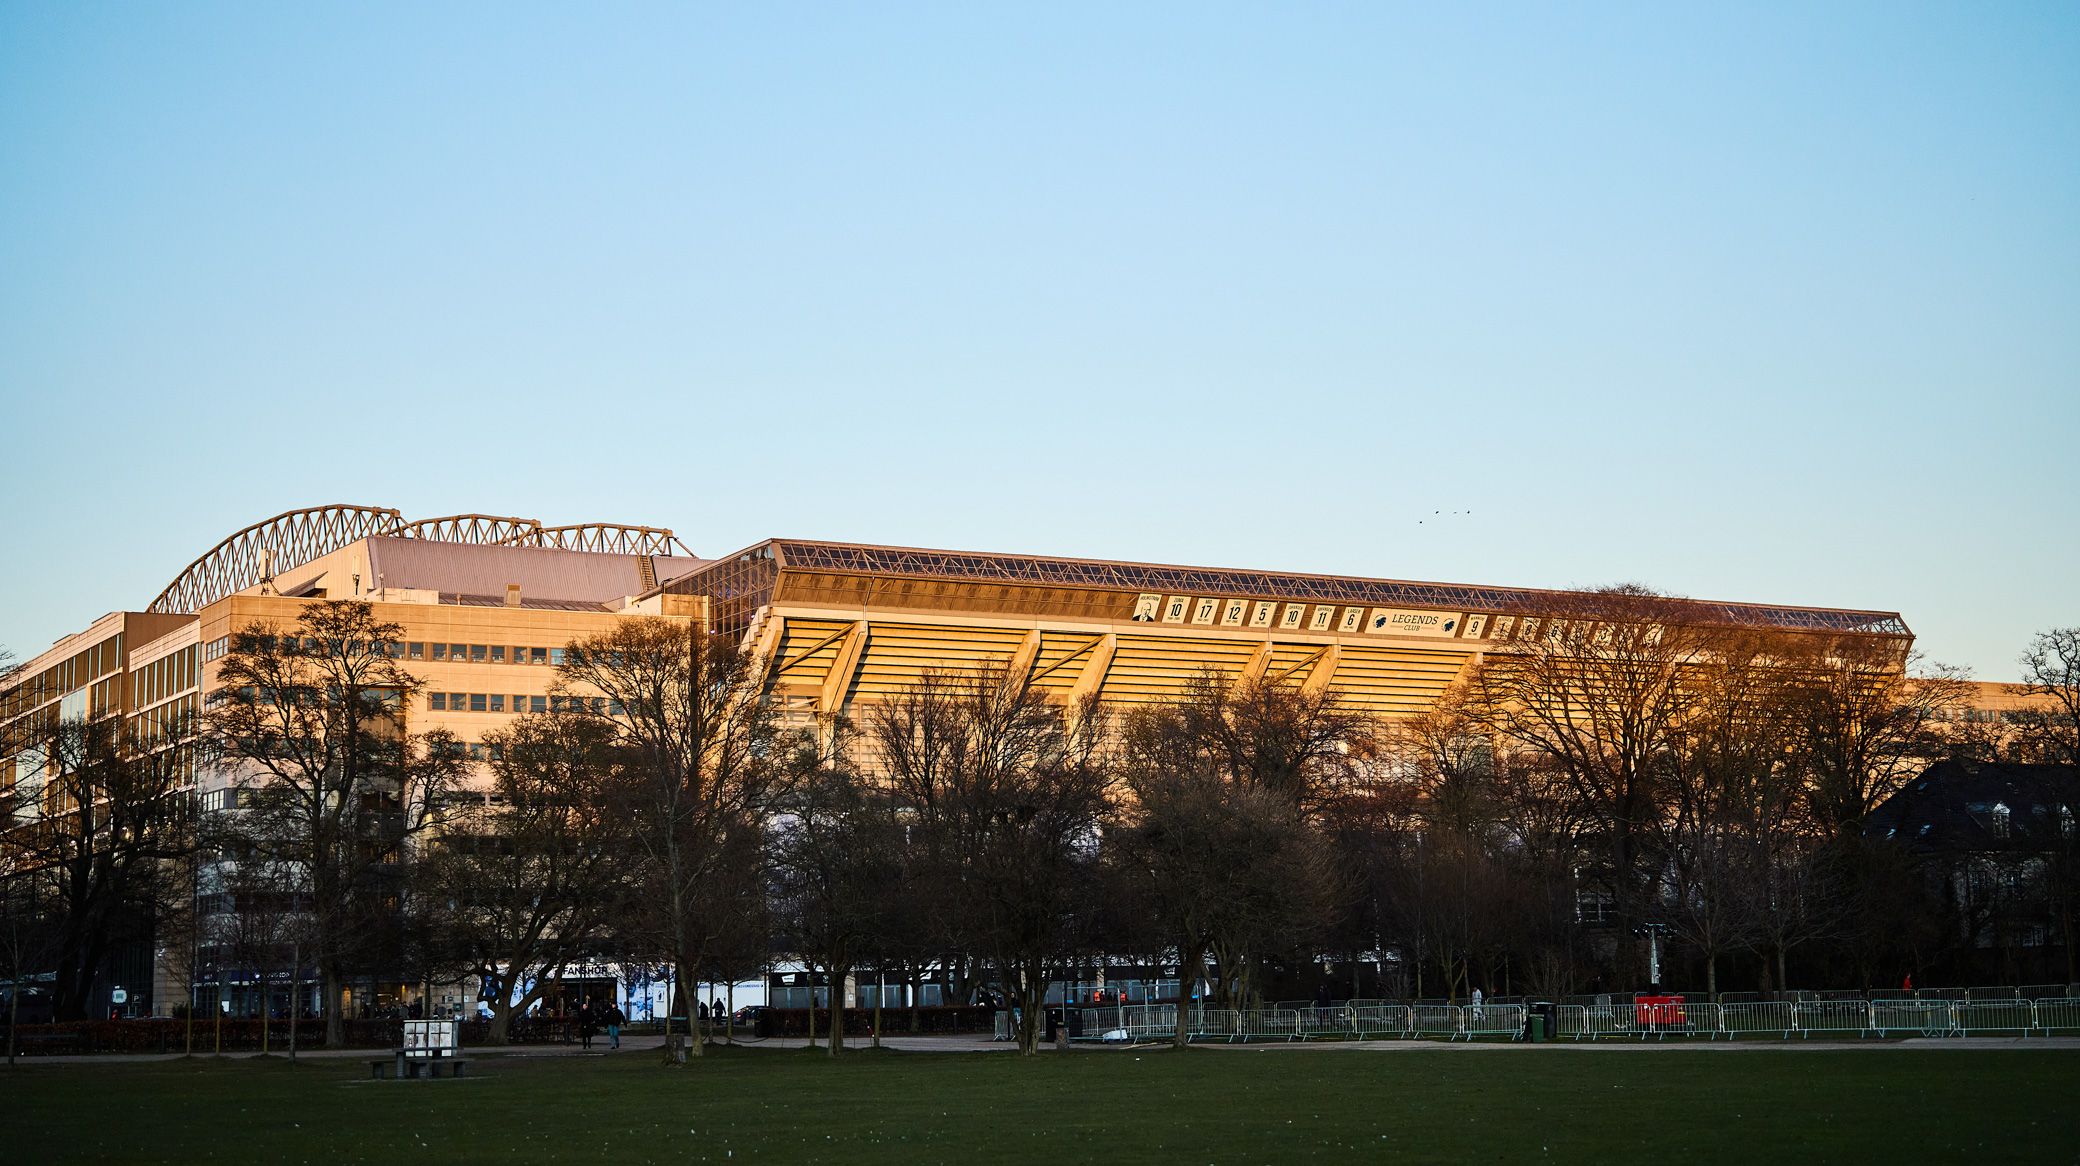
x: 1324, y: 1022
x: 1495, y: 1020
x: 1436, y: 1020
x: 1926, y: 1017
x: 2060, y: 1015
x: 1686, y: 1019
x: 1378, y: 1020
x: 1831, y: 1016
x: 1768, y: 1018
x: 1268, y: 1024
x: 1570, y: 1020
x: 2016, y: 1016
x: 1609, y: 1020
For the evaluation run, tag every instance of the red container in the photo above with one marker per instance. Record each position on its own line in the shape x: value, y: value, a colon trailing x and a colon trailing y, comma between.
x: 1658, y: 1011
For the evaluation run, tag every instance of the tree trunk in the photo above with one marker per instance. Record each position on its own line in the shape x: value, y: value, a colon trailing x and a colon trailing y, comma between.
x: 696, y: 1040
x: 500, y: 1031
x: 1192, y: 968
x: 335, y: 1024
x: 837, y: 1040
x: 880, y: 990
x: 295, y: 959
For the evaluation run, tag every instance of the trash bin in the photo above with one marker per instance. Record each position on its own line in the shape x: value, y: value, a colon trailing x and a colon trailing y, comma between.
x: 1541, y: 1021
x: 765, y: 1022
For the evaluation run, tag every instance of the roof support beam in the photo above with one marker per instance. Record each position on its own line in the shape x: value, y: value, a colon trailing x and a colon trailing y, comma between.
x: 1283, y: 673
x: 1078, y: 654
x: 1020, y: 667
x: 1092, y: 682
x: 1324, y: 669
x: 820, y: 645
x: 1258, y: 661
x: 838, y: 681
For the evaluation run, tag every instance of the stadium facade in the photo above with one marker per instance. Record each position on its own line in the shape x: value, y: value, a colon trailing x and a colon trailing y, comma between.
x: 487, y: 605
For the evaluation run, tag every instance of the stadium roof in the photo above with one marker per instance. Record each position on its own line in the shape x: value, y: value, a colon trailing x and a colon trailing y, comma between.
x: 1052, y: 571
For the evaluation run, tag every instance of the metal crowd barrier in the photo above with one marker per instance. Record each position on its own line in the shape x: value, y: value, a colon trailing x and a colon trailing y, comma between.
x: 1493, y: 1020
x: 1435, y: 1020
x: 1993, y: 1016
x: 1374, y: 1019
x: 1757, y: 1019
x: 1780, y: 1018
x: 1268, y: 1024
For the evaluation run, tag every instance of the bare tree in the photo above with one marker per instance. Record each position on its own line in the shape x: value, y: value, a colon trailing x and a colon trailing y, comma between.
x: 836, y: 860
x: 1005, y: 794
x: 1866, y: 717
x: 692, y: 712
x: 1601, y: 689
x: 2051, y: 670
x: 308, y: 722
x: 1221, y: 866
x: 29, y: 931
x: 533, y: 880
x: 106, y: 824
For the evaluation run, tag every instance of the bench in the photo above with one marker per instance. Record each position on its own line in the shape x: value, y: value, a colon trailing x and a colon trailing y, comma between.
x: 415, y: 1064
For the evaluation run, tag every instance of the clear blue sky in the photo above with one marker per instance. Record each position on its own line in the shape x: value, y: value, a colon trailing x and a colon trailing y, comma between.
x: 1740, y: 302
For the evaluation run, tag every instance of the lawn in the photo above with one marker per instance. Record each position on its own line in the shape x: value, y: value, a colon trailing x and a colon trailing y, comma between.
x: 1198, y: 1106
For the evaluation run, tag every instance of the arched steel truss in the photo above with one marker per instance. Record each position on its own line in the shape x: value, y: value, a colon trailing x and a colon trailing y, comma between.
x: 482, y: 529
x: 612, y: 538
x: 298, y: 536
x: 268, y: 548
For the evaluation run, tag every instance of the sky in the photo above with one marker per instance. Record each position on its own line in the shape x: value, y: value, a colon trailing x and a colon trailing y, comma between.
x: 1761, y: 302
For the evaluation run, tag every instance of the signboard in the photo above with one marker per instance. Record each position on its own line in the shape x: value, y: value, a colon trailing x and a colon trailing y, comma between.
x: 431, y: 1038
x: 118, y: 996
x: 1400, y: 621
x: 1265, y: 614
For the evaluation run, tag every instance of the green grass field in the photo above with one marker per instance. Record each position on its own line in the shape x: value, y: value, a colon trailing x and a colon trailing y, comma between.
x: 1199, y: 1106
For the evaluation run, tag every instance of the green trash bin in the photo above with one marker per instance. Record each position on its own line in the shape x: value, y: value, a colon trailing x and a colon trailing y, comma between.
x: 1538, y: 1028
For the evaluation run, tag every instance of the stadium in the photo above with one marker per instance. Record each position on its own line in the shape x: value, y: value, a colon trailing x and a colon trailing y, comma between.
x: 487, y: 605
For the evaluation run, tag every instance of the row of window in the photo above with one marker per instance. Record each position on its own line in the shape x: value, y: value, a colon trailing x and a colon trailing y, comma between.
x: 498, y: 702
x: 476, y: 653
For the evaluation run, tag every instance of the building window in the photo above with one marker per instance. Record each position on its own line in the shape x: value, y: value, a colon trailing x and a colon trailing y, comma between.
x: 437, y: 701
x: 415, y: 650
x: 478, y: 653
x: 440, y: 652
x: 2000, y: 819
x: 477, y: 704
x: 537, y: 704
x: 498, y: 653
x: 498, y: 702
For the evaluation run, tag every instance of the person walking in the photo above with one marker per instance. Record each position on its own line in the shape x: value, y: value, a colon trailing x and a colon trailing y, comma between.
x: 615, y: 1019
x: 1477, y: 998
x: 587, y: 1020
